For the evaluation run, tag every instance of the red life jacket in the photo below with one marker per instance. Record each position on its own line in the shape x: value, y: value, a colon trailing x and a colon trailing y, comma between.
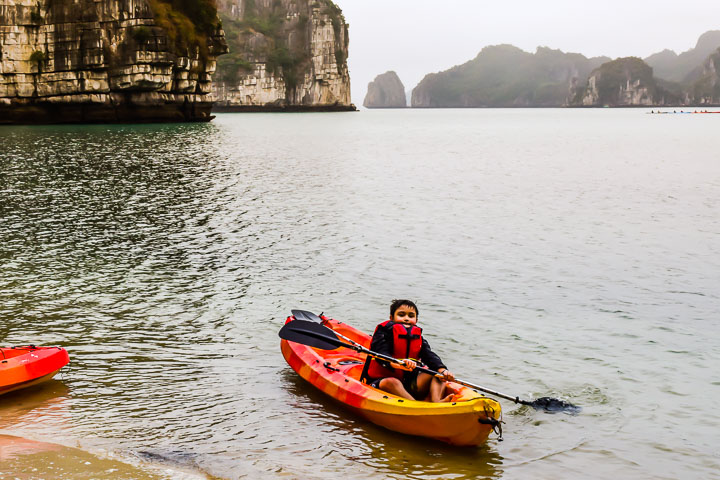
x: 407, y: 343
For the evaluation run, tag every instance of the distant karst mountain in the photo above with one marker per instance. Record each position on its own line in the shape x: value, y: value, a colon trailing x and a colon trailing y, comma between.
x: 386, y: 91
x: 633, y: 82
x: 687, y: 66
x: 506, y: 76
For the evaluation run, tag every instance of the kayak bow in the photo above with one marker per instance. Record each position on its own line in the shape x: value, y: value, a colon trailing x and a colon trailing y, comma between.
x: 22, y: 367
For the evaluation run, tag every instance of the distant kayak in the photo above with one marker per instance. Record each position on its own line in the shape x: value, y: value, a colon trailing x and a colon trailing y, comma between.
x: 467, y: 419
x: 682, y: 112
x: 22, y: 367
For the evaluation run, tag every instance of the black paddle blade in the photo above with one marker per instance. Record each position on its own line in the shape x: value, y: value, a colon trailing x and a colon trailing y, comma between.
x: 554, y: 405
x: 305, y: 315
x: 311, y: 334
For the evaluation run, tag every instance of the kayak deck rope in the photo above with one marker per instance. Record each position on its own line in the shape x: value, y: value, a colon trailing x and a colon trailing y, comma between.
x: 493, y: 422
x: 330, y: 367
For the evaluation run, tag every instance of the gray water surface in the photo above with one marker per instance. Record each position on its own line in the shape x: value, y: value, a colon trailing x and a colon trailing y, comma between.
x: 570, y: 253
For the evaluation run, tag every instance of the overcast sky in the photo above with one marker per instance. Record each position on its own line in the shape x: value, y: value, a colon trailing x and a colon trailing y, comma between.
x: 416, y: 37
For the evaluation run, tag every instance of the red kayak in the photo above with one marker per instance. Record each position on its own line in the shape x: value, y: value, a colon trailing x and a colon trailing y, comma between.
x: 22, y: 367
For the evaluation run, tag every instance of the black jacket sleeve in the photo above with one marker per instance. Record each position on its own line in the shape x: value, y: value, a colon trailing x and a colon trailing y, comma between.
x: 382, y: 342
x: 430, y: 358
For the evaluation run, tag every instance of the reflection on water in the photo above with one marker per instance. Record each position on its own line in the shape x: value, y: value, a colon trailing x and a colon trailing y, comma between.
x: 571, y: 254
x: 29, y: 405
x: 42, y: 409
x: 387, y: 453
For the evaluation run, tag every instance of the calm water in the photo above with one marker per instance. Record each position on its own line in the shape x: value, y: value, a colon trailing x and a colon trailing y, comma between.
x: 566, y: 253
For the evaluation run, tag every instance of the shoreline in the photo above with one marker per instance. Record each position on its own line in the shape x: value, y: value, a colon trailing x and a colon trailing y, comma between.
x: 283, y: 108
x: 46, y: 112
x: 19, y: 455
x: 556, y: 106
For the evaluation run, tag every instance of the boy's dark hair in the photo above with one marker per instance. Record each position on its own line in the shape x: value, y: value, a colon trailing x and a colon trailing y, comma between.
x: 399, y: 303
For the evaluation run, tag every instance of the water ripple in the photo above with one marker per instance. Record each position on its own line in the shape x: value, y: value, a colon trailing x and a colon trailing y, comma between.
x: 552, y: 254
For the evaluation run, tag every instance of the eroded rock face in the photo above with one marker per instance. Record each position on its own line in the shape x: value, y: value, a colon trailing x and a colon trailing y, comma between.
x: 623, y: 82
x: 102, y: 61
x: 706, y: 90
x: 386, y: 91
x: 284, y: 55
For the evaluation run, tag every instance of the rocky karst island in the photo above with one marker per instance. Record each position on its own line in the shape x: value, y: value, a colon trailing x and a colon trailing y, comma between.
x: 506, y: 76
x: 386, y: 91
x: 107, y: 61
x: 285, y: 55
x: 94, y: 61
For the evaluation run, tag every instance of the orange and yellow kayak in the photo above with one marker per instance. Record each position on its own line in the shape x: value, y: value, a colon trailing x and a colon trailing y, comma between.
x: 22, y: 367
x: 467, y: 420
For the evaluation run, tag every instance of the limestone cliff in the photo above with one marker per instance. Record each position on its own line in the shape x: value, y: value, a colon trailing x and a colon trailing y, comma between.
x: 706, y: 90
x: 284, y: 55
x: 107, y: 60
x: 386, y: 91
x: 621, y: 83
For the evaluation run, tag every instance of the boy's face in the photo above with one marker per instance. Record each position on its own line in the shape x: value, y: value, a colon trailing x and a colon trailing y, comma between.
x: 405, y: 314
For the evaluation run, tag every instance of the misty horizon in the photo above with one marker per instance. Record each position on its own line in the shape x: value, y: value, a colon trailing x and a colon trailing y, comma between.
x: 409, y: 88
x: 416, y: 38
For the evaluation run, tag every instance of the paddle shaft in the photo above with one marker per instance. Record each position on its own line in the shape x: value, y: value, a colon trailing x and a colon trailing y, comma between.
x: 314, y: 319
x: 360, y: 348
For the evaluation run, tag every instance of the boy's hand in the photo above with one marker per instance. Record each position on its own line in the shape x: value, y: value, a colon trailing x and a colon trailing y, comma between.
x: 447, y: 375
x: 407, y: 365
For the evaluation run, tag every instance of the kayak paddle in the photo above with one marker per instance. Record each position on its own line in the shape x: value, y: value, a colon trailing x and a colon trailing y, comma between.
x: 306, y: 332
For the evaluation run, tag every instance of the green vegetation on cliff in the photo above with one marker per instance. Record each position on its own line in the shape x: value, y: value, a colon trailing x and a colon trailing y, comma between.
x: 188, y: 23
x: 273, y: 48
x: 338, y: 21
x: 277, y: 35
x: 38, y: 58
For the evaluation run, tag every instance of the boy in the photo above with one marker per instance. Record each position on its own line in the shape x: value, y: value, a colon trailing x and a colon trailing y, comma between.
x: 401, y: 338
